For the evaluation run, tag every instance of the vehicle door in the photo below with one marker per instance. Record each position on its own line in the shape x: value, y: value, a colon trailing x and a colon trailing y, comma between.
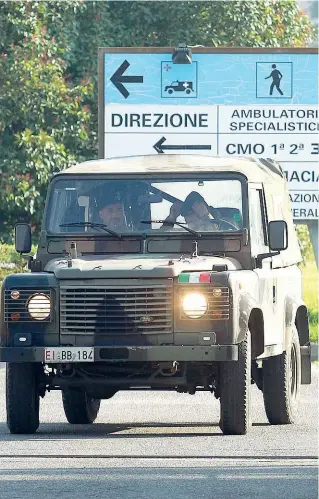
x: 259, y: 244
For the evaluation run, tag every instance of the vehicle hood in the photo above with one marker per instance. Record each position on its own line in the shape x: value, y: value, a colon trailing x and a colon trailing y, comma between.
x: 134, y: 266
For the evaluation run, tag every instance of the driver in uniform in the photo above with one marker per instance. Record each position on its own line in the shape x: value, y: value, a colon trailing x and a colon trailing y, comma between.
x: 196, y: 213
x: 112, y: 212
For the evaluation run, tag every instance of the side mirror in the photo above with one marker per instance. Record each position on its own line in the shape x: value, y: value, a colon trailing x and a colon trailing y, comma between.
x: 278, y: 235
x: 22, y: 237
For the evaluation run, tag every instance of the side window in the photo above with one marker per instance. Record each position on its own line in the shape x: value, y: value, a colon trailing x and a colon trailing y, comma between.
x: 257, y: 222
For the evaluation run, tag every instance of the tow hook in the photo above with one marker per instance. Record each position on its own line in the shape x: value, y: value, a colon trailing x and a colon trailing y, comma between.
x: 168, y: 369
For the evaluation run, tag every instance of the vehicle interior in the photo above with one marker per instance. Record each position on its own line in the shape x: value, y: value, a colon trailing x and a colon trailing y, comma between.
x: 78, y: 202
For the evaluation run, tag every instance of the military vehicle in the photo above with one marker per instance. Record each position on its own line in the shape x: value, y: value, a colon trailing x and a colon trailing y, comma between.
x: 175, y: 272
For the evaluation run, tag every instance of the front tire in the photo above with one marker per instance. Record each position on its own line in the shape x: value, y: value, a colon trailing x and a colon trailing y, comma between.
x: 281, y: 383
x: 235, y: 384
x: 22, y: 398
x: 79, y: 408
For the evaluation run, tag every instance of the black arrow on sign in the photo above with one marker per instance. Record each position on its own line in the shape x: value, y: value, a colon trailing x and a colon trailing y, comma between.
x: 118, y: 79
x: 160, y: 148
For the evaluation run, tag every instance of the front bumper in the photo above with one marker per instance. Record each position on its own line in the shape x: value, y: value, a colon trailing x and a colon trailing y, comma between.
x: 133, y: 354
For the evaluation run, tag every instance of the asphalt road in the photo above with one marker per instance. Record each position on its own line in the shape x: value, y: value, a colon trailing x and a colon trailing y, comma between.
x: 161, y: 445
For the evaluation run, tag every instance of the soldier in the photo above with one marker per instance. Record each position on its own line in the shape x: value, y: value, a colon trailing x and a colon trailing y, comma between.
x: 196, y: 214
x: 112, y: 212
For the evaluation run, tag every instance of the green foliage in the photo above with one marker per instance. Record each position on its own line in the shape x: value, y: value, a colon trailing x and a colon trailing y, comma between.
x: 261, y: 23
x: 305, y: 243
x: 310, y: 279
x: 313, y: 325
x: 43, y: 118
x: 10, y: 261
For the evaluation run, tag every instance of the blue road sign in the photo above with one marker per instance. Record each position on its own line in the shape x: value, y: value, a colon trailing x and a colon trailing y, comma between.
x: 226, y: 103
x: 215, y: 78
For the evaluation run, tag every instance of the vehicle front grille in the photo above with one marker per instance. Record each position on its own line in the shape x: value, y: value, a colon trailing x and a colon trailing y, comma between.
x: 116, y: 310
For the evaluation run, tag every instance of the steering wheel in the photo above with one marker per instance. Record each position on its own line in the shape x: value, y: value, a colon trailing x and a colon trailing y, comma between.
x: 220, y: 222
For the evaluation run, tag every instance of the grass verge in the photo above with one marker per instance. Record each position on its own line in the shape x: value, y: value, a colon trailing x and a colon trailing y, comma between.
x: 310, y: 278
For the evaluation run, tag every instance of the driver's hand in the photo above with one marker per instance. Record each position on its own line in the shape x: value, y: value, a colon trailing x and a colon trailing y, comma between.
x: 175, y: 211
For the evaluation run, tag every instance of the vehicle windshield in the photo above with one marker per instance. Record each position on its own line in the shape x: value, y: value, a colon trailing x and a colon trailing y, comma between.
x: 144, y: 206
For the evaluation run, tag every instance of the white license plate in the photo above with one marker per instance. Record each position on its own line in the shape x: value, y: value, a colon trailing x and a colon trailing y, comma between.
x: 68, y: 354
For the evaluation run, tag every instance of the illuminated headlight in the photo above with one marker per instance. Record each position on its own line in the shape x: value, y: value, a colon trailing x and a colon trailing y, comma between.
x: 39, y: 306
x: 194, y: 305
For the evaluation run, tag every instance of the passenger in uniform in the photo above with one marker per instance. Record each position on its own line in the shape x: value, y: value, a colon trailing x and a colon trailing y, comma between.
x: 174, y: 213
x: 112, y: 212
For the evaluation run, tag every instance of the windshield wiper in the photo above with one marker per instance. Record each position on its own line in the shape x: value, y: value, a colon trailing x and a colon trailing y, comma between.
x: 94, y: 226
x: 167, y: 222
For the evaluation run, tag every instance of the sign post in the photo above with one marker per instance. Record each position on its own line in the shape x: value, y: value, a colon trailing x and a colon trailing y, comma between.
x: 227, y: 102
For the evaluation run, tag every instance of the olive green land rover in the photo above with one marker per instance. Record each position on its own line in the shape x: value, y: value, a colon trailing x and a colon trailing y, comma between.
x: 168, y: 272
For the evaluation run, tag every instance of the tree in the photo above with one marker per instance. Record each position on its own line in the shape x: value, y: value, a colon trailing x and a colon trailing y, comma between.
x: 44, y: 123
x: 261, y: 23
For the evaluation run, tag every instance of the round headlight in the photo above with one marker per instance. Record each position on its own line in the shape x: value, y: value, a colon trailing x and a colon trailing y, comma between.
x: 194, y: 305
x: 39, y: 306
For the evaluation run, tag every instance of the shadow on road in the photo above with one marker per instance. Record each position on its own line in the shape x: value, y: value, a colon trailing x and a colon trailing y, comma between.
x: 61, y: 431
x: 113, y: 430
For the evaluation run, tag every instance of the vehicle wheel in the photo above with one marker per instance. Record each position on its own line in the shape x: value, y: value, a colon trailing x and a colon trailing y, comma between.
x: 281, y: 383
x: 235, y: 384
x: 22, y: 398
x: 170, y: 91
x: 79, y: 408
x: 188, y: 91
x: 100, y: 393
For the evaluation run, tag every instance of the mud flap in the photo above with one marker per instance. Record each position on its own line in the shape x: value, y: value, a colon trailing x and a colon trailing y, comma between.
x: 305, y: 351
